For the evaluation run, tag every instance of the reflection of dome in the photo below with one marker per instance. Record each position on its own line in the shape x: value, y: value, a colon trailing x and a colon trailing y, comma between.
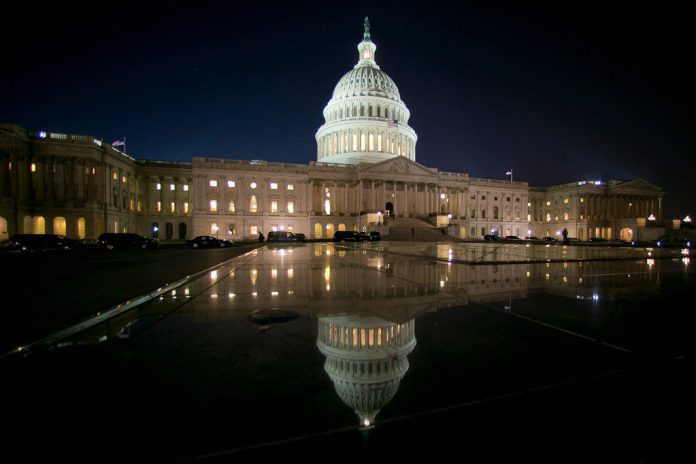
x: 366, y: 121
x: 365, y: 359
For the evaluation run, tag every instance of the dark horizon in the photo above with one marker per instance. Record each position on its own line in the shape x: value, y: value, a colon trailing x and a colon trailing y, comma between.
x: 599, y: 92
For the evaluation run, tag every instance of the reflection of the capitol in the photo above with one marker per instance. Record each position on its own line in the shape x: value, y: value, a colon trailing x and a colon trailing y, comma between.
x: 366, y: 358
x: 315, y: 279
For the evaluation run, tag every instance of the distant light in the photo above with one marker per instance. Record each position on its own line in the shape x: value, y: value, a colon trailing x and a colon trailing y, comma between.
x: 449, y: 216
x: 598, y: 182
x: 42, y: 134
x: 529, y: 232
x: 442, y: 196
x: 651, y: 217
x: 687, y: 218
x: 155, y: 228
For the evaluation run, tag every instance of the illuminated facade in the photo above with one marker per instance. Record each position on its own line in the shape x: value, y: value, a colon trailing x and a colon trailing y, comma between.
x: 366, y: 170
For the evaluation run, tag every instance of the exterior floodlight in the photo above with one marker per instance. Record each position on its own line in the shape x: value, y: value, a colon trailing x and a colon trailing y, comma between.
x: 651, y: 217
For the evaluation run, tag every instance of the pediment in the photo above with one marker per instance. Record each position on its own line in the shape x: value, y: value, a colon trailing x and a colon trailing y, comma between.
x: 637, y: 185
x: 398, y: 165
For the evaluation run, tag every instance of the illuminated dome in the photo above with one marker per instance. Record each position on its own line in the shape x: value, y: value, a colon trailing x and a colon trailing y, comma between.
x: 365, y: 120
x: 366, y: 360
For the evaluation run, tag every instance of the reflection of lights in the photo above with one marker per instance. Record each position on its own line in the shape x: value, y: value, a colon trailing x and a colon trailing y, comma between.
x: 291, y: 273
x: 274, y: 273
x: 254, y: 293
x: 687, y: 218
x: 213, y: 295
x: 579, y: 280
x: 528, y: 274
x: 328, y: 287
x: 650, y: 262
x: 186, y: 291
x: 291, y: 292
x: 213, y: 275
x: 595, y: 297
x: 685, y: 261
x: 565, y: 279
x: 230, y: 295
x: 231, y: 273
x: 685, y: 251
x: 327, y: 273
x: 274, y: 293
x: 442, y: 283
x: 548, y: 276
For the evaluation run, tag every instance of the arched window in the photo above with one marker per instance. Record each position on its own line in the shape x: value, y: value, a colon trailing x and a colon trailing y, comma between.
x: 386, y: 113
x: 371, y: 142
x: 318, y: 230
x: 59, y: 225
x: 355, y: 111
x: 4, y: 234
x: 379, y: 142
x: 379, y: 111
x: 38, y: 225
x: 81, y: 228
x: 252, y: 204
x: 362, y: 111
x: 362, y: 142
x: 369, y: 110
x: 355, y: 141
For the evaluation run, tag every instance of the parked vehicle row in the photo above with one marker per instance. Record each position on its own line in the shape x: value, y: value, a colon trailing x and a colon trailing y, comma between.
x: 353, y: 236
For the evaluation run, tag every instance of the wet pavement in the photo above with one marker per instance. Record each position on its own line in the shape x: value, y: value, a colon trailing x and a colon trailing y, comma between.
x: 379, y: 350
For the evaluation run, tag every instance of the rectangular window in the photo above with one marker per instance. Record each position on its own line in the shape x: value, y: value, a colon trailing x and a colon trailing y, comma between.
x: 291, y: 187
x: 230, y: 184
x: 274, y: 186
x: 230, y: 207
x: 529, y: 203
x: 231, y: 229
x: 159, y: 186
x: 565, y: 201
x: 186, y: 207
x: 582, y: 200
x: 548, y: 203
x: 185, y: 187
x: 172, y: 206
x: 565, y: 216
x: 213, y: 183
x: 132, y: 204
x: 159, y: 206
x: 172, y: 187
x: 483, y: 214
x: 483, y: 231
x: 508, y: 198
x: 529, y: 217
x: 274, y: 207
x: 115, y: 173
x: 140, y: 206
x: 213, y: 206
x: 291, y: 207
x: 483, y: 197
x: 124, y: 179
x: 473, y: 231
x: 548, y: 217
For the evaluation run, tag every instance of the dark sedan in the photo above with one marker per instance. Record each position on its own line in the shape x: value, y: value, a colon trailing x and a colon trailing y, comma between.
x: 208, y: 241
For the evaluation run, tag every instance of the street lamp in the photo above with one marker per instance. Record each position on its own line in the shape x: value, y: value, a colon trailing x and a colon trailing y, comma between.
x: 379, y: 217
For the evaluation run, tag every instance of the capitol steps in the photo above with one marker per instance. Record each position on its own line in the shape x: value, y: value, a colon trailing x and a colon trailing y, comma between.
x: 406, y: 229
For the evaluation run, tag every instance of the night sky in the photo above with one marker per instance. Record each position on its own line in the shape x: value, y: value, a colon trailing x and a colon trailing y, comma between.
x: 558, y: 92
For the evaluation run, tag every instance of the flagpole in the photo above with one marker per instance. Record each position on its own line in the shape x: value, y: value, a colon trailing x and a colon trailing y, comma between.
x: 124, y: 145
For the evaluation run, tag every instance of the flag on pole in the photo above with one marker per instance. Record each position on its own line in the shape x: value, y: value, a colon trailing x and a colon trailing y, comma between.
x: 118, y: 143
x: 509, y: 173
x: 392, y: 123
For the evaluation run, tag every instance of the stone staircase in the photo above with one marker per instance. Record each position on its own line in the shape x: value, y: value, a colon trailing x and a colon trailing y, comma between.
x: 414, y: 229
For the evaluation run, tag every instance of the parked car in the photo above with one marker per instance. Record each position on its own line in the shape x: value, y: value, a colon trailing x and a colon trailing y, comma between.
x: 349, y: 236
x: 301, y: 237
x: 375, y: 236
x: 512, y: 238
x: 208, y: 241
x: 126, y: 240
x: 532, y: 238
x: 283, y: 236
x: 41, y: 242
x: 494, y: 238
x: 550, y: 239
x: 598, y: 240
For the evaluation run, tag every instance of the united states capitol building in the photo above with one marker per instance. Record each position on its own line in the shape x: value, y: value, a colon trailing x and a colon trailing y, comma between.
x: 366, y: 177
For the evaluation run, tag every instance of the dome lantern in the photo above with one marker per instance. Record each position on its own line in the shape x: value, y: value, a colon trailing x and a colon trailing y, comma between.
x: 366, y: 49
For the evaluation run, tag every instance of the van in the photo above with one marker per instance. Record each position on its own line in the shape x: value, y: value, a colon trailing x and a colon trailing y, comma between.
x: 282, y: 236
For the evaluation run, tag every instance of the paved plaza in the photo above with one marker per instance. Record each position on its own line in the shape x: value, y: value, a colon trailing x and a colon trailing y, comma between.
x: 552, y: 353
